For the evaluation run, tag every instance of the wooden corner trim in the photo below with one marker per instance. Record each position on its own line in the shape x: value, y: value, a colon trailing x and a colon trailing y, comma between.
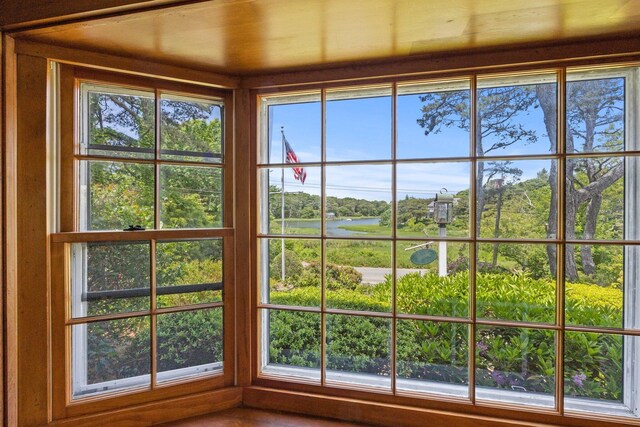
x: 366, y: 411
x: 136, y: 66
x: 380, y: 413
x: 161, y: 411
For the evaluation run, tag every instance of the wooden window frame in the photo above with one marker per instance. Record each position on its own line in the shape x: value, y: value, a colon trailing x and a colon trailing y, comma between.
x: 68, y: 232
x: 469, y: 405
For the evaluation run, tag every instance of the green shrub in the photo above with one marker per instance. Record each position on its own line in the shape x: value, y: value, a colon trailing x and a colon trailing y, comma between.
x: 292, y: 265
x: 509, y: 358
x: 432, y: 295
x: 358, y: 344
x: 189, y: 338
x: 338, y: 277
x: 294, y: 338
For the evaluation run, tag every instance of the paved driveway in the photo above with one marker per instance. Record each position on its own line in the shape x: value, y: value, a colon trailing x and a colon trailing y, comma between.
x: 373, y: 275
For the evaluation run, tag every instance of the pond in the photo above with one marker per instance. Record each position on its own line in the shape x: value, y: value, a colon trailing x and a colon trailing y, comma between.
x: 333, y: 225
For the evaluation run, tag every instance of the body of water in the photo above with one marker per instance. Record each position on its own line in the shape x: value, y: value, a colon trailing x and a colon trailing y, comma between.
x: 333, y: 225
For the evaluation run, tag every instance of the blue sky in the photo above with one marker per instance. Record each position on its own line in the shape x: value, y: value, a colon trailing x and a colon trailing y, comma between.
x: 360, y: 129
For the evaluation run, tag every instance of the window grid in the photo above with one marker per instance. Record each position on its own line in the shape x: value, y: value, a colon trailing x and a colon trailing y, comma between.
x: 152, y: 237
x: 560, y: 241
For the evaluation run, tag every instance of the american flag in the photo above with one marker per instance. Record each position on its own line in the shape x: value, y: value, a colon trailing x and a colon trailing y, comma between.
x: 298, y: 172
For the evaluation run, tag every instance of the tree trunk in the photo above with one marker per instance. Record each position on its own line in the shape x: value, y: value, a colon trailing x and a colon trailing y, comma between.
x: 479, y: 175
x: 588, y: 265
x: 570, y: 268
x: 571, y: 212
x: 547, y: 99
x: 552, y: 220
x: 496, y: 233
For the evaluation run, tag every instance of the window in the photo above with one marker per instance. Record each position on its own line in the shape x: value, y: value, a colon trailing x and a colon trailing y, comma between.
x: 470, y: 238
x: 147, y: 239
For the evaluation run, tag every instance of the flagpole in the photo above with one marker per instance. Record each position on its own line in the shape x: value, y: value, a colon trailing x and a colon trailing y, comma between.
x: 282, y: 210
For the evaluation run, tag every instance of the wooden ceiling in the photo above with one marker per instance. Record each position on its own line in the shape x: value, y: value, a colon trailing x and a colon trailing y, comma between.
x: 247, y: 37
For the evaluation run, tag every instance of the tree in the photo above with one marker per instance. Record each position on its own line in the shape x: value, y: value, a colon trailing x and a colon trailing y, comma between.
x: 594, y: 122
x: 496, y: 124
x: 498, y: 187
x: 123, y: 193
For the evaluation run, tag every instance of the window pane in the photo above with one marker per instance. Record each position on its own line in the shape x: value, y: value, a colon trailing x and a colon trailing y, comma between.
x: 596, y: 282
x: 514, y: 282
x: 516, y: 115
x: 358, y: 350
x: 358, y: 124
x: 119, y: 122
x: 191, y: 129
x: 433, y: 120
x: 515, y: 199
x: 515, y: 365
x: 188, y: 272
x: 299, y: 282
x: 437, y: 288
x: 118, y: 195
x: 595, y: 116
x: 595, y: 197
x: 301, y: 214
x: 109, y: 278
x: 417, y: 187
x: 358, y: 275
x: 190, y: 197
x: 432, y: 357
x: 189, y: 343
x: 593, y: 371
x: 294, y: 343
x: 110, y: 355
x: 358, y: 200
x: 299, y: 117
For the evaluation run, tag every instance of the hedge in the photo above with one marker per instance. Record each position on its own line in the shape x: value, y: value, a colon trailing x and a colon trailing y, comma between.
x: 508, y: 358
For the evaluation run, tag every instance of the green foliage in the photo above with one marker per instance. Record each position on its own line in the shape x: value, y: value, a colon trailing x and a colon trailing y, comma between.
x: 593, y: 365
x: 112, y: 266
x: 360, y: 253
x: 352, y: 207
x: 359, y: 344
x: 432, y: 295
x: 593, y: 305
x: 118, y: 349
x: 515, y: 297
x: 510, y: 358
x: 292, y: 266
x: 189, y: 338
x: 432, y: 351
x: 516, y: 359
x: 306, y: 206
x: 122, y: 194
x: 339, y: 277
x: 294, y: 338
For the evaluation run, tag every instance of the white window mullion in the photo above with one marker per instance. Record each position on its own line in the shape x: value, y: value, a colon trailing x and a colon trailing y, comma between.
x: 631, y: 371
x: 79, y: 309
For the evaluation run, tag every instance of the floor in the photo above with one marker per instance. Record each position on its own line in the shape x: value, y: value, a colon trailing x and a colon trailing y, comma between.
x: 255, y: 417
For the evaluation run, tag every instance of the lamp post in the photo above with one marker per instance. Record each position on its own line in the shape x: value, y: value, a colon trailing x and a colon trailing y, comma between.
x: 443, y: 215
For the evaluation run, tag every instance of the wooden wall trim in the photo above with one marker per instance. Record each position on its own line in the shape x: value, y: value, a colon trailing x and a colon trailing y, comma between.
x: 244, y: 238
x: 2, y: 282
x: 387, y: 414
x: 20, y: 14
x: 367, y: 411
x: 10, y: 332
x: 584, y: 52
x: 120, y: 64
x: 162, y: 411
x: 31, y: 242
